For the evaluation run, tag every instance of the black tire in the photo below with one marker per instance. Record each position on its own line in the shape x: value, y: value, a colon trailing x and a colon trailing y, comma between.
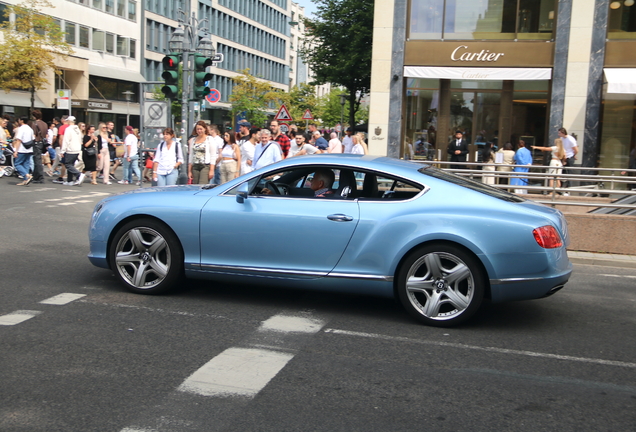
x: 441, y: 285
x: 146, y: 256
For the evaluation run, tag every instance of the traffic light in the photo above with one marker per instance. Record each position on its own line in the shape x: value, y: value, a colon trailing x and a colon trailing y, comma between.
x: 201, y: 62
x: 170, y: 75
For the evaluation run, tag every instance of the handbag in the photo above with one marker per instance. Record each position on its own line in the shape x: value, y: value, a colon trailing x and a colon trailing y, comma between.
x: 91, y: 151
x: 28, y: 144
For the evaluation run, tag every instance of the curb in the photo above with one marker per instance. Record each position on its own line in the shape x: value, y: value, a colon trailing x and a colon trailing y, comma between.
x: 607, y: 262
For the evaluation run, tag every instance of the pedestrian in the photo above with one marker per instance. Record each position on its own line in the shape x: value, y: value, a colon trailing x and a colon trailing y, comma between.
x: 267, y: 151
x: 103, y: 157
x: 116, y: 148
x: 571, y: 150
x: 523, y: 157
x: 347, y: 142
x: 89, y: 153
x: 302, y: 146
x: 49, y: 156
x: 556, y: 163
x: 335, y: 146
x: 168, y: 158
x: 40, y: 131
x: 71, y: 150
x: 247, y: 151
x: 23, y: 141
x: 458, y: 150
x: 244, y: 130
x: 320, y: 142
x: 505, y: 158
x: 488, y: 157
x: 201, y: 154
x: 217, y: 145
x: 359, y: 146
x: 131, y: 157
x: 59, y: 161
x: 229, y: 158
x: 280, y: 137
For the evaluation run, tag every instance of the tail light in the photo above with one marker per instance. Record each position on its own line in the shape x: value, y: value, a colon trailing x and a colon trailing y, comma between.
x: 547, y: 237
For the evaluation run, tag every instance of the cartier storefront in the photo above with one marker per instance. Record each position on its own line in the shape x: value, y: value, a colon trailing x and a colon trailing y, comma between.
x: 491, y: 91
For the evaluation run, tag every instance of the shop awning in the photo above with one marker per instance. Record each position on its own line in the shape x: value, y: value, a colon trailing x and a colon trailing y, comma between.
x: 493, y: 74
x: 621, y: 80
x: 20, y: 99
x: 119, y: 74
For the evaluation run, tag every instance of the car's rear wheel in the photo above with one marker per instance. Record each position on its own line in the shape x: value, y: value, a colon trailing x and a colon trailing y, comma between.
x: 146, y: 256
x: 441, y: 285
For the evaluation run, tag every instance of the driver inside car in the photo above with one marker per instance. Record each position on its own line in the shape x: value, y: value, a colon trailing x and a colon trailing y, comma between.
x: 320, y: 183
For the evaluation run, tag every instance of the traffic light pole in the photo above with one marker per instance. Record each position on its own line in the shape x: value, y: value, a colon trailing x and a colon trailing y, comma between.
x: 185, y: 95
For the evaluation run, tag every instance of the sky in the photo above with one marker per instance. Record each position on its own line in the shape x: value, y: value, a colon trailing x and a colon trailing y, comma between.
x: 309, y: 6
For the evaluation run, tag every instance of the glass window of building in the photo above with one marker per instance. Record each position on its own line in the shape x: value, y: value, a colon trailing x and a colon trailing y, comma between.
x: 83, y: 37
x: 110, y: 6
x: 69, y: 29
x: 99, y: 40
x: 121, y: 8
x: 422, y: 104
x: 122, y: 46
x: 110, y: 43
x: 622, y: 20
x: 482, y: 19
x: 133, y: 48
x: 132, y: 10
x: 617, y: 146
x: 97, y: 4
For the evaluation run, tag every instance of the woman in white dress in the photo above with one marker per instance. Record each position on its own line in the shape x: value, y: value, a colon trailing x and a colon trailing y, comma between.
x: 556, y: 163
x: 247, y: 151
x: 359, y: 146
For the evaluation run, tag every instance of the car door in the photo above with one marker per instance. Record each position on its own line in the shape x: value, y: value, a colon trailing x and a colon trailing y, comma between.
x: 280, y: 236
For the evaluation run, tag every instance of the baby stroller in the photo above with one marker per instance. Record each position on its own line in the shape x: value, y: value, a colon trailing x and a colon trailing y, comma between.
x: 6, y: 160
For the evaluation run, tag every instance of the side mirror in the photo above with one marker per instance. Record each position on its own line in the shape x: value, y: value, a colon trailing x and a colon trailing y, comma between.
x: 241, y: 196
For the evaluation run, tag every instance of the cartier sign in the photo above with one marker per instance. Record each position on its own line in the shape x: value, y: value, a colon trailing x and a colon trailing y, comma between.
x: 461, y: 53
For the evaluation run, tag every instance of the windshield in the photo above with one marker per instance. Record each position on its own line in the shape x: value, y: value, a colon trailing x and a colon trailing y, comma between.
x: 470, y: 184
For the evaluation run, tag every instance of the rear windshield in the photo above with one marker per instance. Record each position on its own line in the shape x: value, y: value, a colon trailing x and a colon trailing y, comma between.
x: 470, y: 184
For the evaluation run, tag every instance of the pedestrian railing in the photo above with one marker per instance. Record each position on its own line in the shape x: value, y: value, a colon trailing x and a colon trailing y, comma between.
x: 606, y: 184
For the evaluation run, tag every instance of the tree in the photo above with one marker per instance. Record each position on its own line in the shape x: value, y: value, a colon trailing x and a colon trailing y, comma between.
x: 253, y: 97
x: 329, y: 110
x: 32, y: 44
x: 301, y: 98
x: 338, y: 47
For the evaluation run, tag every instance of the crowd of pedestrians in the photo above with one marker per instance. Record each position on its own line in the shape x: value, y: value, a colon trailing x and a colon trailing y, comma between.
x: 72, y: 152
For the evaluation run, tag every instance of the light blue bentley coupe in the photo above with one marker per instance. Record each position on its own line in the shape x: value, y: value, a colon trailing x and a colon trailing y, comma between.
x: 439, y: 242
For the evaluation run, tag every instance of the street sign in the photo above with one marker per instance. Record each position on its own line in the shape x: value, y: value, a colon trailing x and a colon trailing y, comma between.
x: 214, y: 96
x: 63, y: 97
x: 284, y: 127
x: 283, y: 114
x: 218, y: 58
x: 156, y: 114
x: 308, y: 115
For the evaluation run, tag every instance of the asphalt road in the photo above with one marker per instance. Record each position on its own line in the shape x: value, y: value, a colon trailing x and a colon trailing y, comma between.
x: 108, y: 360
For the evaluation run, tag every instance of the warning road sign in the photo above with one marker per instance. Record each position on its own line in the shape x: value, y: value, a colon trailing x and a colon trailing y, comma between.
x: 308, y: 115
x: 283, y: 114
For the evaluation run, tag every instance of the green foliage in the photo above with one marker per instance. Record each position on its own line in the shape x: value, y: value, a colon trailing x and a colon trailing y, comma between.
x: 301, y: 98
x: 254, y: 97
x: 31, y: 45
x: 338, y: 47
x: 330, y: 110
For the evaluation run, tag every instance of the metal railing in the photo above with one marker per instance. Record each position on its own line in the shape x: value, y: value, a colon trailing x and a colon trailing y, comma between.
x: 606, y: 184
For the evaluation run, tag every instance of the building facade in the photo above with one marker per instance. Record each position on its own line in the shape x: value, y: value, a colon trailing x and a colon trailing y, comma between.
x: 504, y: 70
x: 104, y: 72
x: 251, y: 34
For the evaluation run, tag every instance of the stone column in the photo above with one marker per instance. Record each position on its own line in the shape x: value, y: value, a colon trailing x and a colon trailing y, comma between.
x: 559, y: 70
x: 595, y: 84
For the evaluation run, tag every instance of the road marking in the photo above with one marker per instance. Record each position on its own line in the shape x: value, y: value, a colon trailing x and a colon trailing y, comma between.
x: 619, y: 276
x: 17, y: 317
x: 246, y: 371
x: 487, y: 349
x: 62, y: 299
x: 236, y: 372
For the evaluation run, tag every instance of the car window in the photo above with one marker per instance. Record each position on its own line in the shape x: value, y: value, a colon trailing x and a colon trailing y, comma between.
x: 376, y: 186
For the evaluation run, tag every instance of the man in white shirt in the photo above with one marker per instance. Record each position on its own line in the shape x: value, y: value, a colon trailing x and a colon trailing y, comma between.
x: 335, y: 146
x: 347, y: 141
x: 571, y: 150
x: 267, y: 151
x: 131, y: 157
x: 23, y: 155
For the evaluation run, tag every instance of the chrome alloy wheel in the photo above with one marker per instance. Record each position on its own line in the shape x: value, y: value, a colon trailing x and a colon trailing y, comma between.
x: 142, y: 258
x: 440, y: 286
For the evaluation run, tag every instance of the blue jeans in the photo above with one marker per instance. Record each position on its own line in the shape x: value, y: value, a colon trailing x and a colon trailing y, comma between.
x: 23, y: 164
x: 131, y: 166
x: 168, y: 179
x: 217, y: 176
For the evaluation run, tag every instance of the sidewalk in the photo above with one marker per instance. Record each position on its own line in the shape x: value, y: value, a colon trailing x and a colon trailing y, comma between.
x: 602, y: 259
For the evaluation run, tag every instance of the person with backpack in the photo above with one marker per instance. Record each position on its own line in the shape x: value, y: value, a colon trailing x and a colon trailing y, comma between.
x: 168, y: 159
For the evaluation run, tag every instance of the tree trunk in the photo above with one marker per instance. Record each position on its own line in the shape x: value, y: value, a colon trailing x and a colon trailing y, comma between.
x: 32, y: 101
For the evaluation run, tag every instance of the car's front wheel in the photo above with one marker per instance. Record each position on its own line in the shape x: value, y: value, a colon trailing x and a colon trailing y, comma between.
x: 441, y: 285
x: 146, y: 256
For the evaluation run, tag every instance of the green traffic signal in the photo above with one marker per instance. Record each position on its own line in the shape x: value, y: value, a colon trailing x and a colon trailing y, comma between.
x: 171, y: 75
x: 201, y: 63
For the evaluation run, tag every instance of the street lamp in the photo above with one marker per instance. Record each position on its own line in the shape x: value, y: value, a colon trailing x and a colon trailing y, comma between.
x: 185, y: 41
x: 343, y: 101
x: 129, y: 96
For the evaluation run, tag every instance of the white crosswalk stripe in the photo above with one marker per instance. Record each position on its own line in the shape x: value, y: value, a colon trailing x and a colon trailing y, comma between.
x: 17, y: 317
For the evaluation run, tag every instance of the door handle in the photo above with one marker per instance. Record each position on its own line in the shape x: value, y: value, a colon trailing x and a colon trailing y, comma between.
x: 340, y: 218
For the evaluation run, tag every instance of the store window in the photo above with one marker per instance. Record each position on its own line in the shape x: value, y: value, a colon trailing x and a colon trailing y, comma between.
x: 618, y: 132
x: 422, y: 104
x: 482, y: 19
x: 622, y: 20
